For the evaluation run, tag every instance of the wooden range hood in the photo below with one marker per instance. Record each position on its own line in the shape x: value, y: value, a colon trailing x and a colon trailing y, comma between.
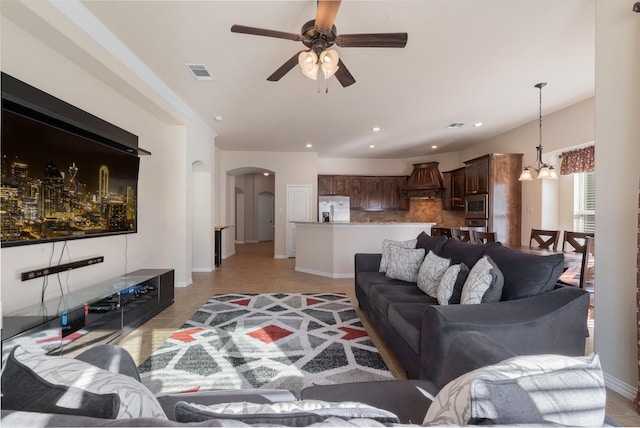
x: 425, y: 182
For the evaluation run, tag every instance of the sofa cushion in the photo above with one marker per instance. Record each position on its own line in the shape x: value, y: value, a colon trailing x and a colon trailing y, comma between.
x: 430, y: 243
x: 451, y: 283
x: 534, y: 389
x: 463, y: 252
x: 41, y: 383
x: 386, y: 249
x: 293, y: 413
x: 483, y: 284
x: 382, y: 296
x: 431, y: 270
x: 526, y: 274
x: 404, y: 263
x: 406, y: 319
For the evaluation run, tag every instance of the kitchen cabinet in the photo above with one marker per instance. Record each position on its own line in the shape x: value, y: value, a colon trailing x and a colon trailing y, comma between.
x: 476, y: 173
x: 329, y: 185
x: 454, y: 189
x: 370, y: 193
x: 495, y: 176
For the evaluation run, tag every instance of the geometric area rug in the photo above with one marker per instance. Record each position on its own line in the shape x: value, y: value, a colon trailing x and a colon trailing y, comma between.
x: 277, y: 340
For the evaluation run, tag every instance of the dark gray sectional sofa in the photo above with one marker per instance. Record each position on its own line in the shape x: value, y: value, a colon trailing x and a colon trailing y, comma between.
x: 534, y: 315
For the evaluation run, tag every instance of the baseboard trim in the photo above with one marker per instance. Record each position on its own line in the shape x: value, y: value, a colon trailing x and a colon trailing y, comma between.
x: 182, y: 284
x: 324, y: 274
x: 620, y: 387
x: 205, y: 270
x: 280, y: 256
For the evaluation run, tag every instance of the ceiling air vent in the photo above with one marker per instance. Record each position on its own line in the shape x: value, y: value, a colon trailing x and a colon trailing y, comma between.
x: 455, y: 125
x: 199, y: 71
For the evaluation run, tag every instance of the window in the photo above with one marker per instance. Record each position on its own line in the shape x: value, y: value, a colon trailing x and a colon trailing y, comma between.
x: 584, y: 202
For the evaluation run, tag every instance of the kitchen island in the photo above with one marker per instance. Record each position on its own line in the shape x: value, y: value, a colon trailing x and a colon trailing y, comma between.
x: 327, y: 249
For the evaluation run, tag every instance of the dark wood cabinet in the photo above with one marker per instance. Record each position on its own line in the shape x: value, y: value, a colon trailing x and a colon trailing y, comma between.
x: 454, y: 189
x: 371, y: 193
x: 477, y: 176
x: 333, y: 185
x: 496, y: 176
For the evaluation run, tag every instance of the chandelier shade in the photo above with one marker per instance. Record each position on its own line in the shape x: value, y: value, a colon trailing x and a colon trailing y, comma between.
x: 543, y: 171
x: 310, y: 63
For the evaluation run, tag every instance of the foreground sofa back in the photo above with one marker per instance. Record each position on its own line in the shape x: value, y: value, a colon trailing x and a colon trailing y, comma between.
x: 534, y: 314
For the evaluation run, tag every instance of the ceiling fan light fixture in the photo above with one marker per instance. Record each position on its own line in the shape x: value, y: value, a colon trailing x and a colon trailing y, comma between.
x: 308, y: 61
x: 329, y: 62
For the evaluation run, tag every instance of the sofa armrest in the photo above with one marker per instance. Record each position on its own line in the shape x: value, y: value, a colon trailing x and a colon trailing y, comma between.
x: 367, y: 262
x: 549, y: 323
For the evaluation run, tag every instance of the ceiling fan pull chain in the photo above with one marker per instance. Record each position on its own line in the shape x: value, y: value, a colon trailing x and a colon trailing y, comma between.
x: 326, y: 90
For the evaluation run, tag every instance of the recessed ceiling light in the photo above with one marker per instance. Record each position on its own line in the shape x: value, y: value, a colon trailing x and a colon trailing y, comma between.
x: 372, y: 146
x: 434, y: 147
x: 308, y: 145
x: 218, y: 118
x: 479, y: 124
x: 266, y: 174
x: 375, y: 129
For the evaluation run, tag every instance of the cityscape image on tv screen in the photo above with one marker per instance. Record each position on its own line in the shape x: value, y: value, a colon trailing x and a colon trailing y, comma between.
x: 59, y: 185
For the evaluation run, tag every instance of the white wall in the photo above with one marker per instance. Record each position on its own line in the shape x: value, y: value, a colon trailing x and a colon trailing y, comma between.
x: 617, y: 177
x: 288, y: 168
x: 149, y: 248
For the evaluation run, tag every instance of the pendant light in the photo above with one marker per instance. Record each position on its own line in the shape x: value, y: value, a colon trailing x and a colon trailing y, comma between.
x: 543, y: 171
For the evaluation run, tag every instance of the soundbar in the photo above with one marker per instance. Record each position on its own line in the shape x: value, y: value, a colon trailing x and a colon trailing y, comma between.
x: 51, y: 270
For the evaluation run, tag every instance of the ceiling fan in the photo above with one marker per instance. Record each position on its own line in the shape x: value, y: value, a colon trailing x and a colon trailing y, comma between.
x: 318, y: 35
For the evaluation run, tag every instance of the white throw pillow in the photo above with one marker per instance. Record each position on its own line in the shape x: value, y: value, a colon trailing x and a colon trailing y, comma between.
x: 431, y: 272
x: 532, y: 389
x: 451, y: 283
x: 404, y: 263
x: 48, y: 375
x: 385, y: 250
x: 484, y: 283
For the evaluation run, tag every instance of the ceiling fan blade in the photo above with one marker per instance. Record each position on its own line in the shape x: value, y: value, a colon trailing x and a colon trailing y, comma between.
x: 373, y: 40
x: 284, y: 68
x: 344, y: 77
x: 326, y: 15
x: 267, y: 33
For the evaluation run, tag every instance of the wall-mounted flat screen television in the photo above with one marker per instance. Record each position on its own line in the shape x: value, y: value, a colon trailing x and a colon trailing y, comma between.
x: 61, y: 181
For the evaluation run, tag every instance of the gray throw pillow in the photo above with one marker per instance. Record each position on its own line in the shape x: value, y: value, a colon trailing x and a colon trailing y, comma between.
x: 430, y: 243
x: 483, y: 284
x: 386, y: 244
x: 291, y: 413
x: 431, y: 270
x: 451, y: 283
x: 404, y: 263
x: 533, y: 389
x: 42, y: 383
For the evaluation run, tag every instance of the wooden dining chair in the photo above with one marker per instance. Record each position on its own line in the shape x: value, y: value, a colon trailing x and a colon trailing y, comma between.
x: 441, y: 231
x: 544, y: 239
x: 461, y: 235
x: 575, y: 241
x: 587, y: 270
x: 479, y: 237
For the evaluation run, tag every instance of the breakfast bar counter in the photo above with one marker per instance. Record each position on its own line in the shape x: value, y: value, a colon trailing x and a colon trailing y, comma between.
x: 327, y: 249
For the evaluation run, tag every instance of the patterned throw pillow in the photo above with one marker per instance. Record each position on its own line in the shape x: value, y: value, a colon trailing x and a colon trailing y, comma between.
x: 533, y: 389
x: 451, y: 283
x: 430, y: 273
x: 41, y: 383
x: 404, y: 263
x: 385, y: 250
x: 297, y: 413
x: 484, y: 283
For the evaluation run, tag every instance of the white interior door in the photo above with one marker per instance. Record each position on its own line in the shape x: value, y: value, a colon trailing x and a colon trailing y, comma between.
x: 298, y: 209
x: 265, y: 216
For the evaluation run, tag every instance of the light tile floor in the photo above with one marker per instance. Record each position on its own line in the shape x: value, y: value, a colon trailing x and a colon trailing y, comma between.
x: 254, y: 270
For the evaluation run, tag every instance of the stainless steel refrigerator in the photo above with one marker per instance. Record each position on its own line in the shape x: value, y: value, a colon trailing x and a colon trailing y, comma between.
x: 334, y: 209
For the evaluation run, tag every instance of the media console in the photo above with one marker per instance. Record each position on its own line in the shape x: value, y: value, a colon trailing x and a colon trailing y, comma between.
x: 93, y: 315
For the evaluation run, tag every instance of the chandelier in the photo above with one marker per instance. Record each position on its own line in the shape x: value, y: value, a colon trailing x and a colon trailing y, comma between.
x: 544, y: 171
